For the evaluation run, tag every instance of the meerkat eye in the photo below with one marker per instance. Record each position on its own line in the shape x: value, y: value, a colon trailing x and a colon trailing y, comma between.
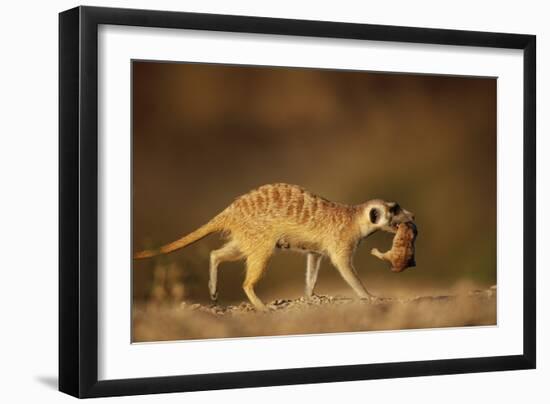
x: 374, y: 215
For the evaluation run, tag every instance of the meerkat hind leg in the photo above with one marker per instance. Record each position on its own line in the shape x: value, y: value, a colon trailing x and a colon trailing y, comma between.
x: 229, y: 252
x: 312, y: 270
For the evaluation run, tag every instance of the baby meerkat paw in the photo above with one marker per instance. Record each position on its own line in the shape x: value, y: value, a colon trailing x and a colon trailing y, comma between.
x: 376, y: 252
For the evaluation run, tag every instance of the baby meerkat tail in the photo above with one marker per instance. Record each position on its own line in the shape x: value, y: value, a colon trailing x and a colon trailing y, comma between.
x: 203, y: 231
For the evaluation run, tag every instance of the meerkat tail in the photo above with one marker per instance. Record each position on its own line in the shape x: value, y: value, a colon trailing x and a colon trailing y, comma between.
x: 186, y: 240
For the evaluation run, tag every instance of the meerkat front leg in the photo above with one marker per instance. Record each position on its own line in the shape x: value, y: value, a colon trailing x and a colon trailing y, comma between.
x: 312, y: 270
x: 256, y: 264
x: 229, y: 252
x: 376, y: 252
x: 343, y: 264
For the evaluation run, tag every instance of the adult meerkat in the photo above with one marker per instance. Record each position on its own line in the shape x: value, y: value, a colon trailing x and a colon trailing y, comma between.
x: 283, y: 216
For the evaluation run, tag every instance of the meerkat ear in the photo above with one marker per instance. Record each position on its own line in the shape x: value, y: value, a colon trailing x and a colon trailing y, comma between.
x: 374, y: 215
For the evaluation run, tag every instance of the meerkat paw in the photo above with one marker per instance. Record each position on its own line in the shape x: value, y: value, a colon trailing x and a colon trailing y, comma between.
x: 376, y: 252
x: 368, y: 298
x: 212, y: 289
x: 262, y: 309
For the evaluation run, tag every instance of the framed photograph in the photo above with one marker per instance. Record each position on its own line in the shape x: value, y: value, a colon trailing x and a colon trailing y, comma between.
x: 251, y: 201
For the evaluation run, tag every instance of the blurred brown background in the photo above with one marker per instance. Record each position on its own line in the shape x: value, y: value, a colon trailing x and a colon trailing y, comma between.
x: 205, y: 134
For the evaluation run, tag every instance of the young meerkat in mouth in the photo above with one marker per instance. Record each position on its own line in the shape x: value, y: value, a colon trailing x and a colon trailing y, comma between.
x: 401, y: 255
x: 283, y: 216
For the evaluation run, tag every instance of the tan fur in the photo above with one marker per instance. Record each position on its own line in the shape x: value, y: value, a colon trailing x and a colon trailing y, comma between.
x: 401, y: 255
x: 288, y: 217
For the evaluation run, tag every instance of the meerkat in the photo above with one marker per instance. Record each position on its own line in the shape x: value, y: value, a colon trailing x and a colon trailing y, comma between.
x: 283, y: 216
x: 401, y: 255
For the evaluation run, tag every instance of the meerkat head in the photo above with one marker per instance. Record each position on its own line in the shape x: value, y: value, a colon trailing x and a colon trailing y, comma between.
x: 378, y: 214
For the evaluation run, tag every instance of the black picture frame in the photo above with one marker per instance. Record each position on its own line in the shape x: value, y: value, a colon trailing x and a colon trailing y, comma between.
x: 78, y: 201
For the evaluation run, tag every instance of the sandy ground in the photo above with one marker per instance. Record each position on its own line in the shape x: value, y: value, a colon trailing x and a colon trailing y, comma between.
x: 322, y: 314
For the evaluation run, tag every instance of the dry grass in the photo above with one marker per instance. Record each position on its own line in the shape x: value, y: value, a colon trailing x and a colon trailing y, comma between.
x: 165, y: 322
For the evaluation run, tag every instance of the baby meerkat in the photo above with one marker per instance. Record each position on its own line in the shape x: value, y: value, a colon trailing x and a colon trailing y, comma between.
x: 401, y: 255
x: 283, y: 216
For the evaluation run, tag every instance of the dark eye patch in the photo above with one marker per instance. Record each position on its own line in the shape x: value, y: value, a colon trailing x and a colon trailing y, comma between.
x: 395, y: 209
x: 374, y: 215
